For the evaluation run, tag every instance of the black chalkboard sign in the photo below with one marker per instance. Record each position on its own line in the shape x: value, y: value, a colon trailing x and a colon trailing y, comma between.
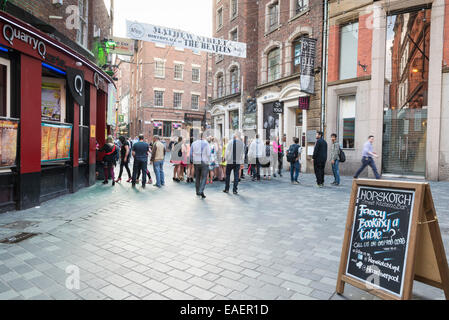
x: 392, y: 238
x: 380, y: 235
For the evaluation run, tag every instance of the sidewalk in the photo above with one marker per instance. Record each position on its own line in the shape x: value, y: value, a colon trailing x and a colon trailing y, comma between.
x: 272, y: 241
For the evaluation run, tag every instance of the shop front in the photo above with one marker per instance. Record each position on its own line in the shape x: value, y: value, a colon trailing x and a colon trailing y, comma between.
x: 52, y: 115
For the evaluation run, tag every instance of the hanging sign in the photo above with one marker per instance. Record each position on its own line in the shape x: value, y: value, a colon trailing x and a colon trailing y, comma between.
x: 75, y: 79
x: 308, y: 54
x: 392, y: 238
x: 122, y: 46
x: 304, y: 103
x: 278, y: 107
x: 182, y: 39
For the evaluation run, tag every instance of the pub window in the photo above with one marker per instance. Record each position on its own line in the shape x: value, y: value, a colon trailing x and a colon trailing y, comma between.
x: 177, y: 100
x: 53, y: 100
x: 273, y: 16
x: 5, y: 86
x: 159, y: 69
x: 158, y: 98
x: 167, y: 129
x: 274, y: 64
x: 234, y: 80
x: 195, y: 101
x: 195, y: 74
x: 233, y: 35
x: 178, y: 71
x: 82, y: 32
x: 234, y: 8
x: 346, y: 124
x: 219, y: 18
x: 157, y: 129
x: 301, y: 5
x: 349, y: 37
x: 220, y: 88
x: 84, y: 133
x: 296, y: 47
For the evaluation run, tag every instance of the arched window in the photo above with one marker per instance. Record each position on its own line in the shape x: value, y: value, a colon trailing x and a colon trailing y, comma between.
x: 296, y: 55
x: 220, y: 91
x: 234, y: 80
x: 274, y: 64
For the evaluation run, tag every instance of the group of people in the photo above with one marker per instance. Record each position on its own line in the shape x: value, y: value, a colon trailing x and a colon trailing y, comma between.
x: 207, y: 160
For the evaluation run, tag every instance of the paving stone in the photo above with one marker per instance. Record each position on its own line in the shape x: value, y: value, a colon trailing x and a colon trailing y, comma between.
x: 155, y: 296
x: 176, y: 283
x: 235, y: 285
x: 137, y: 290
x: 174, y: 294
x: 19, y: 284
x: 136, y: 277
x: 180, y: 274
x: 155, y: 286
x: 297, y: 287
x: 114, y: 292
x: 31, y: 292
x: 221, y: 290
x: 43, y: 282
x: 200, y: 293
x: 118, y: 281
x: 9, y: 295
x: 231, y: 275
x: 91, y: 294
x: 205, y: 284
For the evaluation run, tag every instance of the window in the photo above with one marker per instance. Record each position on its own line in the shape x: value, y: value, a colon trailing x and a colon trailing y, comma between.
x: 157, y: 128
x: 273, y: 16
x: 178, y: 71
x: 349, y: 36
x: 167, y: 129
x: 301, y: 5
x: 233, y: 35
x: 234, y: 8
x: 234, y: 80
x: 82, y: 32
x: 53, y: 106
x: 346, y: 125
x: 209, y: 77
x: 220, y: 91
x: 296, y: 47
x: 84, y: 133
x: 195, y: 74
x: 177, y: 100
x: 274, y: 66
x: 5, y: 85
x: 159, y: 69
x: 195, y: 101
x: 158, y: 98
x: 219, y: 18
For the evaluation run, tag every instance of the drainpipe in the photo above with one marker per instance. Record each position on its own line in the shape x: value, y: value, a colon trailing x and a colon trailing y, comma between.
x: 324, y: 64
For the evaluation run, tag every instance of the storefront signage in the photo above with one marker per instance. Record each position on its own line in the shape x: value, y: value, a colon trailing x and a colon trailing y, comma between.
x: 278, y: 107
x: 51, y: 101
x: 311, y: 136
x: 193, y: 116
x: 75, y: 79
x: 92, y: 131
x: 392, y: 238
x: 122, y: 46
x: 56, y: 61
x: 157, y: 124
x: 56, y: 142
x: 8, y: 142
x: 177, y: 125
x: 270, y: 120
x: 11, y: 34
x: 304, y: 103
x: 182, y: 39
x: 308, y: 54
x: 251, y: 106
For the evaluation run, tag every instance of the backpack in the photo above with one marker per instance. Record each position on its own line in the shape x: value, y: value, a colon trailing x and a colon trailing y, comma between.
x: 267, y: 151
x: 342, y: 156
x: 179, y: 151
x: 292, y: 153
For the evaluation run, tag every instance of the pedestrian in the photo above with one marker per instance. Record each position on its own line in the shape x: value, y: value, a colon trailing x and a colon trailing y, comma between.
x: 266, y: 163
x: 157, y: 159
x: 125, y: 156
x: 294, y: 156
x: 176, y: 157
x: 335, y: 159
x: 200, y: 153
x: 223, y: 159
x: 150, y: 181
x: 235, y: 157
x: 367, y: 158
x: 212, y: 160
x: 279, y: 152
x: 140, y: 154
x: 110, y: 158
x: 189, y: 161
x: 255, y: 153
x: 320, y: 158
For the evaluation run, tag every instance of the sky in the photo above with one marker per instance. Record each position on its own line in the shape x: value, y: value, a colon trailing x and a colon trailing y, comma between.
x: 194, y: 16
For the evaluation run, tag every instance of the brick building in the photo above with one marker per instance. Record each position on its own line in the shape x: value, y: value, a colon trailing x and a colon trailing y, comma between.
x: 80, y: 24
x: 169, y: 86
x: 392, y: 84
x: 123, y: 83
x: 273, y: 30
x: 235, y: 79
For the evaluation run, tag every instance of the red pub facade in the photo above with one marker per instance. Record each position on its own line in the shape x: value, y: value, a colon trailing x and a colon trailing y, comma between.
x: 53, y: 107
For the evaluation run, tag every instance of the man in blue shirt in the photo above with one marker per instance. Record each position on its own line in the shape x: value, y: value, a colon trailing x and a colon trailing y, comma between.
x: 200, y: 155
x: 140, y: 154
x: 367, y: 158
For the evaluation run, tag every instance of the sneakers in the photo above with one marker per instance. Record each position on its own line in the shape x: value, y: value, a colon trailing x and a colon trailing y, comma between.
x: 295, y: 182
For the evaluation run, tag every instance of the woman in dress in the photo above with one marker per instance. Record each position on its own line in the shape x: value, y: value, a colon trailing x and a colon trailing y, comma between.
x: 212, y: 160
x: 109, y: 159
x: 176, y: 156
x: 223, y: 159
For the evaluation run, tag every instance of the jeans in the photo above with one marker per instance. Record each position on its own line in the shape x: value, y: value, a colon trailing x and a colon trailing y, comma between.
x: 319, y: 171
x: 367, y: 161
x: 229, y: 168
x: 256, y: 172
x: 336, y: 171
x: 158, y: 167
x: 295, y: 168
x: 126, y: 165
x: 201, y: 172
x: 140, y: 166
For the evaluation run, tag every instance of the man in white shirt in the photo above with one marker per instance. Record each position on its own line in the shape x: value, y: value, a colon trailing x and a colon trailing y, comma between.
x: 255, y: 153
x: 200, y: 154
x: 235, y: 157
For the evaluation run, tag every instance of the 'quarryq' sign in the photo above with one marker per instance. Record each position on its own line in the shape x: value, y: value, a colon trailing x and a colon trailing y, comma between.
x: 380, y: 234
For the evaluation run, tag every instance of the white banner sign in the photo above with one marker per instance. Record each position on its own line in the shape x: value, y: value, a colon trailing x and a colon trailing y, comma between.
x: 182, y: 39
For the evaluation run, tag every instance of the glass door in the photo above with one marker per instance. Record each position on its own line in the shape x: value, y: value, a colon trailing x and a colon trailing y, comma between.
x: 406, y: 85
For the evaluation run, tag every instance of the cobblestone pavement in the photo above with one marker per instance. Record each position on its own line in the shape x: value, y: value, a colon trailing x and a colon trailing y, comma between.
x: 272, y: 241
